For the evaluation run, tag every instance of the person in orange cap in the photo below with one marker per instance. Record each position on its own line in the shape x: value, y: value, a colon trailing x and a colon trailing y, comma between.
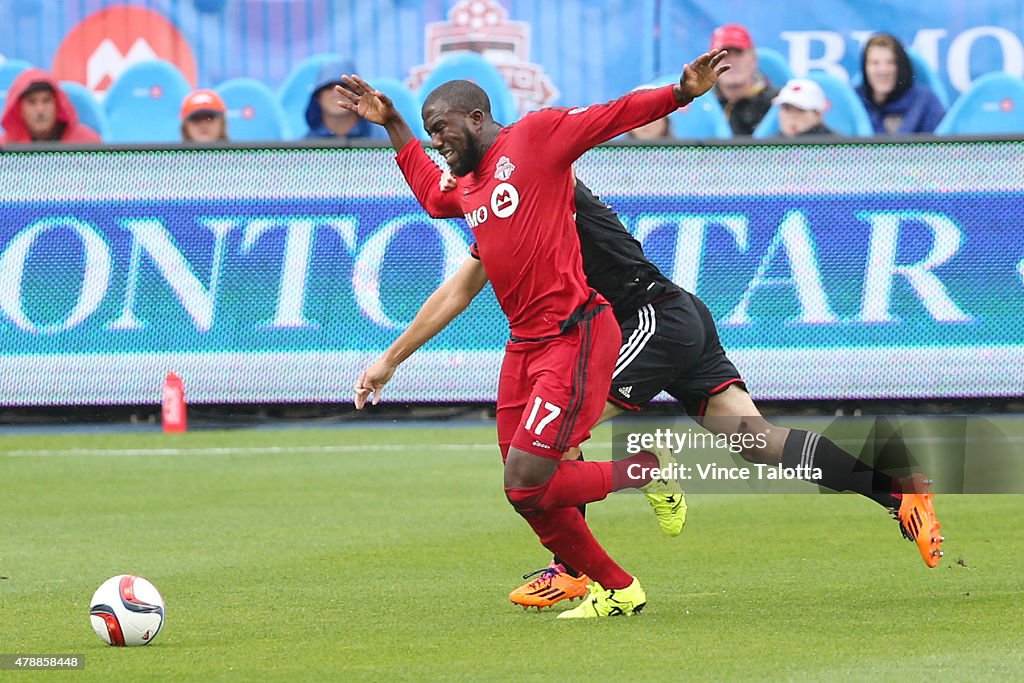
x: 203, y: 117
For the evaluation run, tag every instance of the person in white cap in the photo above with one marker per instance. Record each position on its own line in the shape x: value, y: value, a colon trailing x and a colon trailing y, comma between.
x: 801, y: 105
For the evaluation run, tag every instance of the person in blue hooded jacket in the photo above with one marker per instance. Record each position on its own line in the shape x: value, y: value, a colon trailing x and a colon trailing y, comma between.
x: 325, y: 118
x: 895, y: 103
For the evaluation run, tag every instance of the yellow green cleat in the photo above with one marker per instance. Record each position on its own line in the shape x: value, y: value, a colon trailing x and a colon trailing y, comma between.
x: 611, y: 602
x: 666, y: 495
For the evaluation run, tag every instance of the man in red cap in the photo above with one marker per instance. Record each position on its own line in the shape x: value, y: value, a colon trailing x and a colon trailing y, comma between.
x: 37, y: 110
x: 743, y: 91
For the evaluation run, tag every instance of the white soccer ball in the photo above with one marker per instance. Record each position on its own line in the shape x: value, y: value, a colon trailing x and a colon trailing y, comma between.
x: 126, y: 611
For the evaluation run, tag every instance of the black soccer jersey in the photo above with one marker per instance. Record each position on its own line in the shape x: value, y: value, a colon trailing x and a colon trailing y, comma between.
x: 613, y: 261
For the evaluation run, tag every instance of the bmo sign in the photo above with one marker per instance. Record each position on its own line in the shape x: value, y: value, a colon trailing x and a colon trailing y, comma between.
x: 979, y: 49
x: 98, y: 49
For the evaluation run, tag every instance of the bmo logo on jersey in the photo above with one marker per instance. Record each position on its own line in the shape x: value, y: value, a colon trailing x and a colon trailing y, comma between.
x: 476, y: 216
x: 504, y: 200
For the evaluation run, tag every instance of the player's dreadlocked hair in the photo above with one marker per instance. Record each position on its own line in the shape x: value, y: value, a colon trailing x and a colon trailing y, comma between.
x: 461, y: 96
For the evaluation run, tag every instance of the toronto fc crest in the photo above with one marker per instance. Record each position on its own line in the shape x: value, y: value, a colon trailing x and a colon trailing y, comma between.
x: 483, y: 26
x: 503, y: 171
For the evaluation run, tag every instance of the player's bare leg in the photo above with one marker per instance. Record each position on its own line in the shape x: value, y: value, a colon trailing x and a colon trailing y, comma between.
x: 733, y: 412
x: 560, y: 580
x: 524, y: 469
x: 546, y: 493
x: 665, y: 496
x: 908, y: 499
x: 610, y: 411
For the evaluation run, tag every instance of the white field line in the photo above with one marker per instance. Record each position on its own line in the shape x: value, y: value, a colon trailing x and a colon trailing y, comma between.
x: 257, y: 450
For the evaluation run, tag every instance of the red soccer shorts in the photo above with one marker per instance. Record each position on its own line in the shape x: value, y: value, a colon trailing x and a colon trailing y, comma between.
x: 552, y: 392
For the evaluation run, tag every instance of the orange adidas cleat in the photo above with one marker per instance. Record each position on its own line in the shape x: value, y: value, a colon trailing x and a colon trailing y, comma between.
x: 917, y: 518
x: 553, y: 585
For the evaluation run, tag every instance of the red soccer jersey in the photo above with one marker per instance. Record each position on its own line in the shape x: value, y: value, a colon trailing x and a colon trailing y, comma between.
x: 519, y: 204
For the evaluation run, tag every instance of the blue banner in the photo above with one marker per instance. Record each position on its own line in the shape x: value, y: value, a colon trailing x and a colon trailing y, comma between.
x: 867, y: 270
x: 225, y: 276
x: 569, y: 52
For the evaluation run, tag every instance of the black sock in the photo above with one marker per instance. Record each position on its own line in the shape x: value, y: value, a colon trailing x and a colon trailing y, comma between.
x: 583, y: 511
x: 840, y: 471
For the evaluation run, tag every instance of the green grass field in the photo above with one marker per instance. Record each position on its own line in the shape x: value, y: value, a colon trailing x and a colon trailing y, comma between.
x: 388, y: 553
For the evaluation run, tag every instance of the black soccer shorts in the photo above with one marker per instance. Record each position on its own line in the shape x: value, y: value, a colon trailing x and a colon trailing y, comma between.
x: 672, y: 345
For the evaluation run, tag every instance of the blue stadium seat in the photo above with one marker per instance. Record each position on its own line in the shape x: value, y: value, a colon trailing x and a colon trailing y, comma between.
x: 846, y: 114
x: 254, y: 113
x: 89, y: 110
x: 769, y: 126
x: 9, y: 70
x: 774, y: 66
x: 702, y: 118
x: 293, y: 95
x: 144, y: 103
x: 993, y: 104
x: 923, y: 74
x: 405, y: 103
x: 472, y: 67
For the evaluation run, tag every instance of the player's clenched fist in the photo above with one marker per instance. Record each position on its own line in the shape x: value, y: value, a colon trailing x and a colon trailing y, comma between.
x: 447, y: 182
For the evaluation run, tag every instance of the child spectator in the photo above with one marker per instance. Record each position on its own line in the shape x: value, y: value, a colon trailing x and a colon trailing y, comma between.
x: 801, y: 104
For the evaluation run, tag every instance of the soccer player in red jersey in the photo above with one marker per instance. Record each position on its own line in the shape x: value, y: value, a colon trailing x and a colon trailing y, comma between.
x: 515, y: 190
x: 673, y: 347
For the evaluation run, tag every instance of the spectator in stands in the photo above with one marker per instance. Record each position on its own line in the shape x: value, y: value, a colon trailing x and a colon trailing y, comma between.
x: 325, y: 118
x: 655, y: 130
x: 38, y: 110
x: 743, y: 91
x: 894, y: 102
x: 203, y: 117
x: 801, y: 104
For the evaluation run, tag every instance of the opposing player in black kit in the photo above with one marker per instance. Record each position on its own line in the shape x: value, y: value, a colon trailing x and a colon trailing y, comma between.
x: 670, y: 343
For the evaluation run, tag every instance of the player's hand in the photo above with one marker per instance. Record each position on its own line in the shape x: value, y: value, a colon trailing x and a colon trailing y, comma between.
x: 700, y: 75
x: 448, y: 182
x: 358, y: 96
x: 372, y: 381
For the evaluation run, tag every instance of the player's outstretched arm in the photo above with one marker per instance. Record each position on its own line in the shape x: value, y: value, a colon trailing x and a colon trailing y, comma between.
x: 420, y: 172
x: 699, y: 76
x: 356, y: 95
x: 581, y: 128
x: 440, y: 308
